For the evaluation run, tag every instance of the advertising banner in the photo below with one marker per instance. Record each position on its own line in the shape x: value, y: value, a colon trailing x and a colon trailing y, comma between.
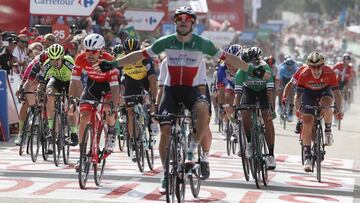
x: 63, y: 7
x: 4, y: 119
x: 144, y: 20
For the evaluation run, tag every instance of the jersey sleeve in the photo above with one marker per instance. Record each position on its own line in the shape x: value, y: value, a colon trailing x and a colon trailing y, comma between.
x: 163, y: 73
x: 113, y: 78
x: 270, y: 85
x: 77, y: 71
x: 156, y: 48
x: 210, y: 49
x: 240, y: 78
x: 149, y: 66
x: 221, y: 75
x: 333, y: 82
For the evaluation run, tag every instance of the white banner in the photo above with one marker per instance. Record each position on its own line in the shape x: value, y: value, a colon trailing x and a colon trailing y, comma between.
x: 63, y: 7
x: 220, y: 39
x: 199, y: 6
x: 144, y: 20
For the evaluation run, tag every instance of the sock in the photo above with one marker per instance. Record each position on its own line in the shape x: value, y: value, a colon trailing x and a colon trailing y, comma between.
x: 21, y: 125
x: 73, y: 128
x: 50, y: 123
x: 271, y: 150
x: 193, y: 145
x: 205, y: 157
x: 327, y: 127
x: 307, y: 152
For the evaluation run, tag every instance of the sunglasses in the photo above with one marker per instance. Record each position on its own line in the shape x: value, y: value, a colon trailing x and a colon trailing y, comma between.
x: 316, y: 67
x: 183, y: 17
x: 23, y: 41
x: 92, y: 51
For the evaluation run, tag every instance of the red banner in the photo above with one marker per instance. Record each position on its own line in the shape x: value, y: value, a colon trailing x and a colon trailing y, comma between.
x: 230, y: 10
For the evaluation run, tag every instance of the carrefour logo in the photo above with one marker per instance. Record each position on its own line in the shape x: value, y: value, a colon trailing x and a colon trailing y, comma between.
x: 150, y: 20
x: 86, y: 3
x: 55, y: 2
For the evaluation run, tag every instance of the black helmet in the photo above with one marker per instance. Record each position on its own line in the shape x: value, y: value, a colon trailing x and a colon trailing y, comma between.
x: 185, y: 10
x: 252, y: 54
x: 130, y: 45
x: 270, y: 60
x: 347, y: 57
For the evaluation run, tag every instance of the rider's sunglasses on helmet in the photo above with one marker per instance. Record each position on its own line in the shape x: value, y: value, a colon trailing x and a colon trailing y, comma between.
x: 92, y: 51
x: 184, y: 17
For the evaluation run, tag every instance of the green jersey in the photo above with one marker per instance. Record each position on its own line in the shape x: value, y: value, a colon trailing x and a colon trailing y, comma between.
x: 63, y: 74
x: 243, y: 79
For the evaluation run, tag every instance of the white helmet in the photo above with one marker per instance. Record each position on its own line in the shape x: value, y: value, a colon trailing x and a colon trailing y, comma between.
x: 94, y: 42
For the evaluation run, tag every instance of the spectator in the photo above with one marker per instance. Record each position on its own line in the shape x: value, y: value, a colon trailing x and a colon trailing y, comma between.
x: 20, y: 52
x: 49, y: 40
x: 6, y: 56
x: 35, y: 49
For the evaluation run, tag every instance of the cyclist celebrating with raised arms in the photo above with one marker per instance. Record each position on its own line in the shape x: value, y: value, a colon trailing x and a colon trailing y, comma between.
x: 97, y: 83
x: 317, y: 84
x: 184, y: 51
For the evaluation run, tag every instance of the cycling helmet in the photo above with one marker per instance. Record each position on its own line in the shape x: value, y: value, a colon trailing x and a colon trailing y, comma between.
x: 252, y: 54
x: 270, y: 60
x: 56, y: 51
x: 347, y: 57
x: 235, y: 49
x: 94, y: 42
x: 130, y: 45
x: 315, y: 59
x: 185, y: 10
x: 289, y: 62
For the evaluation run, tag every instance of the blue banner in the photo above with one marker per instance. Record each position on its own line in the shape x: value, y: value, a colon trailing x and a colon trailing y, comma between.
x: 4, y: 119
x: 275, y: 27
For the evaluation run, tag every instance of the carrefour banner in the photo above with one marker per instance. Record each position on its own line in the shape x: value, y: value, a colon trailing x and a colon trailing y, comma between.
x: 63, y: 7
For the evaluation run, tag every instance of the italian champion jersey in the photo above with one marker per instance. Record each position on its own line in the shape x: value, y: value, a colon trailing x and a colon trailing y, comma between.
x: 183, y: 58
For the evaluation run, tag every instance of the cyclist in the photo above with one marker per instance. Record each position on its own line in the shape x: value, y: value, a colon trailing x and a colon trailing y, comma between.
x: 184, y: 51
x: 135, y: 77
x: 344, y: 72
x: 225, y: 86
x: 317, y: 84
x: 29, y: 84
x: 97, y: 83
x: 56, y: 75
x: 248, y: 89
x: 286, y: 71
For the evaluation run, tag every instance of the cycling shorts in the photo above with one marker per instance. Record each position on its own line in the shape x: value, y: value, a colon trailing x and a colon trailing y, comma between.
x: 94, y: 91
x: 58, y: 85
x: 250, y: 96
x: 312, y: 98
x: 174, y: 95
x: 133, y: 87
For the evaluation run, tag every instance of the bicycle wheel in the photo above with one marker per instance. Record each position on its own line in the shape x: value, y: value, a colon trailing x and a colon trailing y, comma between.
x: 318, y: 153
x: 139, y: 144
x: 66, y: 146
x: 228, y: 138
x: 195, y: 178
x: 100, y: 166
x: 150, y: 152
x: 264, y: 154
x: 254, y: 160
x: 34, y: 138
x: 85, y: 156
x: 242, y: 152
x: 56, y: 132
x: 25, y: 131
x: 121, y: 134
x: 171, y: 171
x: 221, y: 125
x: 44, y: 141
x: 234, y: 143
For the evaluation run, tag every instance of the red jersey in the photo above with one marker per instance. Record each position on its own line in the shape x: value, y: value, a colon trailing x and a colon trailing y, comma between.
x: 295, y: 77
x: 306, y: 79
x: 343, y: 74
x: 82, y: 66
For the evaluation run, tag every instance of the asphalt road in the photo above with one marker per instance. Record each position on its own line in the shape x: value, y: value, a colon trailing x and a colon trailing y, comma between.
x: 24, y: 181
